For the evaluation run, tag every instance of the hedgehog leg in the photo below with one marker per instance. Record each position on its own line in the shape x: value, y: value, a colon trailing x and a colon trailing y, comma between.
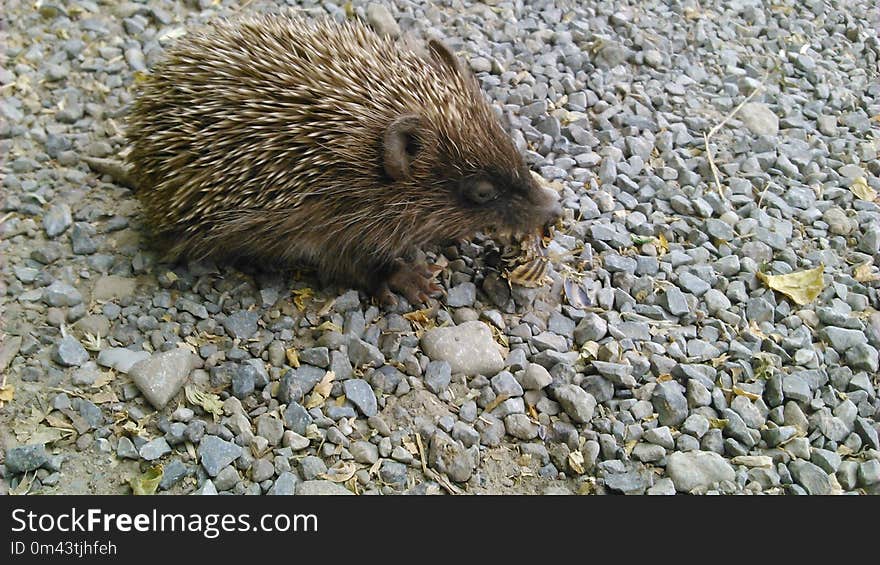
x: 412, y: 279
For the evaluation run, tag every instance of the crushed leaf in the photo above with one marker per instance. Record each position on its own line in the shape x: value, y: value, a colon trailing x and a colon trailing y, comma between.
x: 865, y: 273
x: 292, y: 357
x: 340, y: 472
x: 718, y: 423
x: 321, y: 391
x: 300, y: 297
x: 860, y: 188
x: 210, y: 402
x: 148, y: 482
x: 576, y: 462
x: 741, y: 392
x: 662, y: 245
x: 7, y: 393
x: 803, y: 286
x: 329, y: 326
x: 498, y: 400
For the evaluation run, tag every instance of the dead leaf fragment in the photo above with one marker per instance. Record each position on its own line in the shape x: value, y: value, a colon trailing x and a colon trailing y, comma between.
x: 7, y: 393
x: 864, y: 273
x: 803, y: 286
x: 860, y: 188
x: 576, y: 462
x: 211, y: 403
x: 292, y: 357
x: 148, y: 482
x: 321, y: 391
x: 340, y: 472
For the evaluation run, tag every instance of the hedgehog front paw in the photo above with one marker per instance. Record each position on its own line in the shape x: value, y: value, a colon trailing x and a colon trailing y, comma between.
x: 415, y: 281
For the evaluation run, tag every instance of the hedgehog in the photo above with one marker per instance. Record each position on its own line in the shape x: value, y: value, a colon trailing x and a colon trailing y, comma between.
x: 279, y: 140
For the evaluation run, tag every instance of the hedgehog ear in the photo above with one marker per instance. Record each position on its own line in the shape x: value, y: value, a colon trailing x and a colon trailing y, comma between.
x: 443, y: 55
x: 401, y: 145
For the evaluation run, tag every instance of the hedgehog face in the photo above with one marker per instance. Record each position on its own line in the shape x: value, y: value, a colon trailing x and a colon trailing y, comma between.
x: 509, y: 202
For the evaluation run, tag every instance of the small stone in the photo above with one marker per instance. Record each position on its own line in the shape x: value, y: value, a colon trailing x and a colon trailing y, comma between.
x: 811, y: 477
x: 296, y: 418
x: 173, y: 473
x: 381, y: 20
x: 520, y: 426
x: 535, y: 377
x: 216, y: 453
x: 869, y: 472
x: 463, y: 294
x: 242, y: 324
x: 592, y: 327
x: 842, y: 339
x: 393, y: 472
x: 270, y: 428
x: 359, y: 392
x: 154, y: 449
x: 318, y: 488
x: 57, y: 220
x: 69, y: 352
x: 438, y: 375
x: 125, y: 449
x: 693, y: 284
x: 26, y: 458
x: 160, y: 377
x: 294, y: 441
x: 285, y: 485
x: 504, y: 383
x: 364, y: 452
x: 450, y: 457
x: 121, y: 359
x: 364, y: 354
x: 759, y: 118
x: 469, y: 348
x: 698, y: 469
x: 670, y: 403
x: 312, y: 467
x: 243, y: 381
x: 675, y: 301
x: 577, y: 403
x: 61, y: 294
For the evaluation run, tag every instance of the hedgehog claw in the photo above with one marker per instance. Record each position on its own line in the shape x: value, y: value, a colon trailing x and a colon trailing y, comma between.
x: 414, y: 281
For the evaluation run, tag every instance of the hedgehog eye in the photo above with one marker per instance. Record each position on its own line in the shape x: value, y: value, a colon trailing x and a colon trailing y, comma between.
x: 481, y: 192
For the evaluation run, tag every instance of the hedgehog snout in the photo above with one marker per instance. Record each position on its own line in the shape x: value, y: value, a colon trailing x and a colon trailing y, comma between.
x: 547, y: 206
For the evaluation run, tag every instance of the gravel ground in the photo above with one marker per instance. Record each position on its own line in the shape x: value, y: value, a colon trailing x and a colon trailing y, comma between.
x: 655, y: 361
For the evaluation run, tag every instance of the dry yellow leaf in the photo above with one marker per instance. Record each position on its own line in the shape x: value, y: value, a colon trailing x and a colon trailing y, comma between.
x: 741, y: 392
x: 863, y: 273
x: 498, y: 400
x: 148, y: 482
x: 323, y: 388
x: 340, y: 472
x: 209, y: 402
x: 292, y: 357
x: 321, y: 391
x: 7, y: 393
x: 718, y: 423
x: 662, y: 244
x: 329, y: 326
x: 576, y: 462
x: 300, y: 297
x: 803, y: 286
x: 861, y: 189
x: 104, y: 396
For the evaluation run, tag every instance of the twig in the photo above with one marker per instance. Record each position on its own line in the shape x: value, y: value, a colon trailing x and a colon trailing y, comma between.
x: 714, y: 130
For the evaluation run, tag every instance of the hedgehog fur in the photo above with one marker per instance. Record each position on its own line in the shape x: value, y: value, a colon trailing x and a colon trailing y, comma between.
x: 281, y: 140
